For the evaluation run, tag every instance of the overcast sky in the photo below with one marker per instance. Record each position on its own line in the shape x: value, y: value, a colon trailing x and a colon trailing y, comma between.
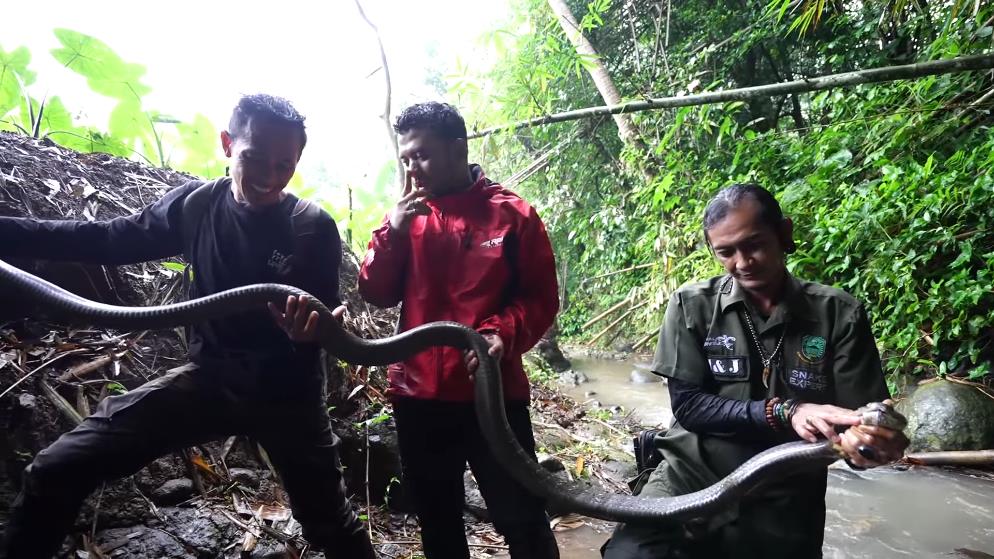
x: 201, y: 55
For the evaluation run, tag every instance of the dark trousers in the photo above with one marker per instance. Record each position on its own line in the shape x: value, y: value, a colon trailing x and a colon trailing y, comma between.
x: 437, y: 439
x: 192, y: 405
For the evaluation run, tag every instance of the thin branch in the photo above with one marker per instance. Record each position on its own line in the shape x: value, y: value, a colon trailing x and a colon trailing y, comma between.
x: 846, y: 79
x: 387, y: 102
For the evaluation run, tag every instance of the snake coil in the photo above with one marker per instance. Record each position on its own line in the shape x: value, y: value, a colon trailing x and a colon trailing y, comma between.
x: 488, y: 392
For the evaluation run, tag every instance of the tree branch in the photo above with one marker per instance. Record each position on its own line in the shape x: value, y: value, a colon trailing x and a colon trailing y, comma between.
x: 847, y: 79
x: 386, y: 108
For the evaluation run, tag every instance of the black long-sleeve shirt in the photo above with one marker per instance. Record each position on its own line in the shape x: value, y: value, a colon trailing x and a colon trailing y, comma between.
x: 703, y: 412
x: 236, y: 246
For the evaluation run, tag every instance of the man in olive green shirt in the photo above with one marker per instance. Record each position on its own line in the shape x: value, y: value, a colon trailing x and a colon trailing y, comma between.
x: 757, y: 358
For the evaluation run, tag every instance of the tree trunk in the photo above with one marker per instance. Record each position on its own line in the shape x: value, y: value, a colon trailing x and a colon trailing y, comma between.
x: 602, y: 80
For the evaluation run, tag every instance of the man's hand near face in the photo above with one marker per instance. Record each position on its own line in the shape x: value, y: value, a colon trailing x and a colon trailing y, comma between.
x: 411, y: 204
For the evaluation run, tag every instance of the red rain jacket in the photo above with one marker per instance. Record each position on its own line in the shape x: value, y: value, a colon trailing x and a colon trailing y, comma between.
x: 481, y: 258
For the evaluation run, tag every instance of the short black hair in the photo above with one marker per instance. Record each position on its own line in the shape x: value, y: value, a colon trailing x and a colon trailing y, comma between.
x: 731, y: 197
x: 261, y: 105
x: 441, y: 118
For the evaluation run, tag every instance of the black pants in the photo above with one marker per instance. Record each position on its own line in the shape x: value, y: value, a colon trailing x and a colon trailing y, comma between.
x: 436, y: 440
x: 187, y: 406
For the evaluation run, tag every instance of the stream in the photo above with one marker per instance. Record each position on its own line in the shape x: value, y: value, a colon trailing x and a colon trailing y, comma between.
x: 881, y: 513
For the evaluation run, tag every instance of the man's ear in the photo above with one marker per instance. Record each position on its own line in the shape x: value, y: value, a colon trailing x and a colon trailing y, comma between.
x: 226, y: 141
x: 787, y: 236
x: 460, y: 149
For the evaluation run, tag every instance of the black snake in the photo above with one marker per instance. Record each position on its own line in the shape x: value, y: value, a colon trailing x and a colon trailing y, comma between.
x: 489, y: 397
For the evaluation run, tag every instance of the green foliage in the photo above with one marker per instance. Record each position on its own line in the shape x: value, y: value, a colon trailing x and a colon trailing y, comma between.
x: 888, y: 184
x: 132, y: 129
x: 538, y: 371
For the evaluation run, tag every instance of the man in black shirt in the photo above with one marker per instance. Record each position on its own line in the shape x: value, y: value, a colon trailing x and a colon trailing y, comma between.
x: 249, y: 374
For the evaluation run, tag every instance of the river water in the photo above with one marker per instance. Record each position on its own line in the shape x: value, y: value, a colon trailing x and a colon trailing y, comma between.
x: 880, y: 514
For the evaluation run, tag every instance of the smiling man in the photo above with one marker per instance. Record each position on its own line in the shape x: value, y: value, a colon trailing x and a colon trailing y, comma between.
x: 249, y: 374
x: 756, y: 358
x: 460, y: 247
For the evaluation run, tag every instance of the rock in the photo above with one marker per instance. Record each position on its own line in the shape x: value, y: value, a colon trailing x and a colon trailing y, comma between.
x: 550, y: 463
x: 619, y: 471
x: 245, y: 476
x: 27, y: 402
x: 640, y: 376
x: 392, y: 551
x: 474, y: 504
x: 140, y: 541
x: 548, y: 348
x: 384, y: 462
x: 572, y: 377
x: 172, y: 492
x: 945, y: 415
x: 624, y: 347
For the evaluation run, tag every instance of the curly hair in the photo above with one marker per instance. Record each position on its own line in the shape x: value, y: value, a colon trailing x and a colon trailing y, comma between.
x: 441, y: 118
x: 261, y: 105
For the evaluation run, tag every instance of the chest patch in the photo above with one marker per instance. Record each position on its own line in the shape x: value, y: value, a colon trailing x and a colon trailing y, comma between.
x: 807, y: 380
x: 725, y: 341
x: 728, y: 367
x: 279, y: 262
x: 493, y: 243
x: 813, y: 348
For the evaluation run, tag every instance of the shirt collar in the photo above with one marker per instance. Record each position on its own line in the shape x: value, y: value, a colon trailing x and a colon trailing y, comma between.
x: 793, y: 307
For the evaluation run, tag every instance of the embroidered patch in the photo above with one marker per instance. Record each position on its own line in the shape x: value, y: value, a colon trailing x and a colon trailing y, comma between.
x: 728, y: 367
x: 727, y: 342
x: 493, y: 243
x: 807, y: 380
x: 279, y: 262
x: 812, y: 348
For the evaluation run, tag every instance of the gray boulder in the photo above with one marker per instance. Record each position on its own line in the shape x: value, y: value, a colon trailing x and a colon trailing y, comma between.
x: 945, y: 415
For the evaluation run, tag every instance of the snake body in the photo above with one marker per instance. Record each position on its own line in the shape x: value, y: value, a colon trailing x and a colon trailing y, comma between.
x: 771, y: 463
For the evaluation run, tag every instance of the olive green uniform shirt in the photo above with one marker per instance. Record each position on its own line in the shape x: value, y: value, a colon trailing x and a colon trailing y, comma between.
x: 828, y: 356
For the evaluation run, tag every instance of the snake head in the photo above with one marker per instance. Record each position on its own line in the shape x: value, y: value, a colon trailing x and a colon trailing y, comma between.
x: 882, y: 414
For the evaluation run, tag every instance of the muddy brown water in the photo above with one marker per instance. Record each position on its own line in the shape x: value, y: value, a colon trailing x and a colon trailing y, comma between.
x: 880, y: 514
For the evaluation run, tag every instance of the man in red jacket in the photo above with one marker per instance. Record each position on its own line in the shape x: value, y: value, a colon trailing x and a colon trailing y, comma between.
x: 460, y: 247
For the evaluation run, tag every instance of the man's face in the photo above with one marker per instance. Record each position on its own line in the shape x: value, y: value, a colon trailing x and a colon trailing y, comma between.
x: 435, y: 164
x: 263, y: 159
x: 750, y: 250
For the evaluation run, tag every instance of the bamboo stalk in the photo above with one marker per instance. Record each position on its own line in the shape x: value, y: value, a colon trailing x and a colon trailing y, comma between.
x: 648, y: 337
x: 831, y: 81
x: 64, y: 407
x: 953, y: 458
x: 617, y: 321
x: 597, y: 318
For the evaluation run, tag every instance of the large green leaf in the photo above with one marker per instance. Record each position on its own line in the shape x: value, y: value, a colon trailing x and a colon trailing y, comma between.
x: 105, y: 71
x: 201, y: 146
x: 13, y: 73
x: 56, y: 116
x: 128, y: 121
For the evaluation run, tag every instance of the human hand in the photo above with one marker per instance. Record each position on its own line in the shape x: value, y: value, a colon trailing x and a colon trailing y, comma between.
x: 299, y: 324
x: 411, y: 204
x: 813, y: 420
x: 496, y: 351
x: 879, y: 439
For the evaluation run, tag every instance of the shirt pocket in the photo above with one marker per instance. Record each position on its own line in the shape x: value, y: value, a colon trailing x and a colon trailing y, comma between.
x: 809, y: 381
x: 726, y: 359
